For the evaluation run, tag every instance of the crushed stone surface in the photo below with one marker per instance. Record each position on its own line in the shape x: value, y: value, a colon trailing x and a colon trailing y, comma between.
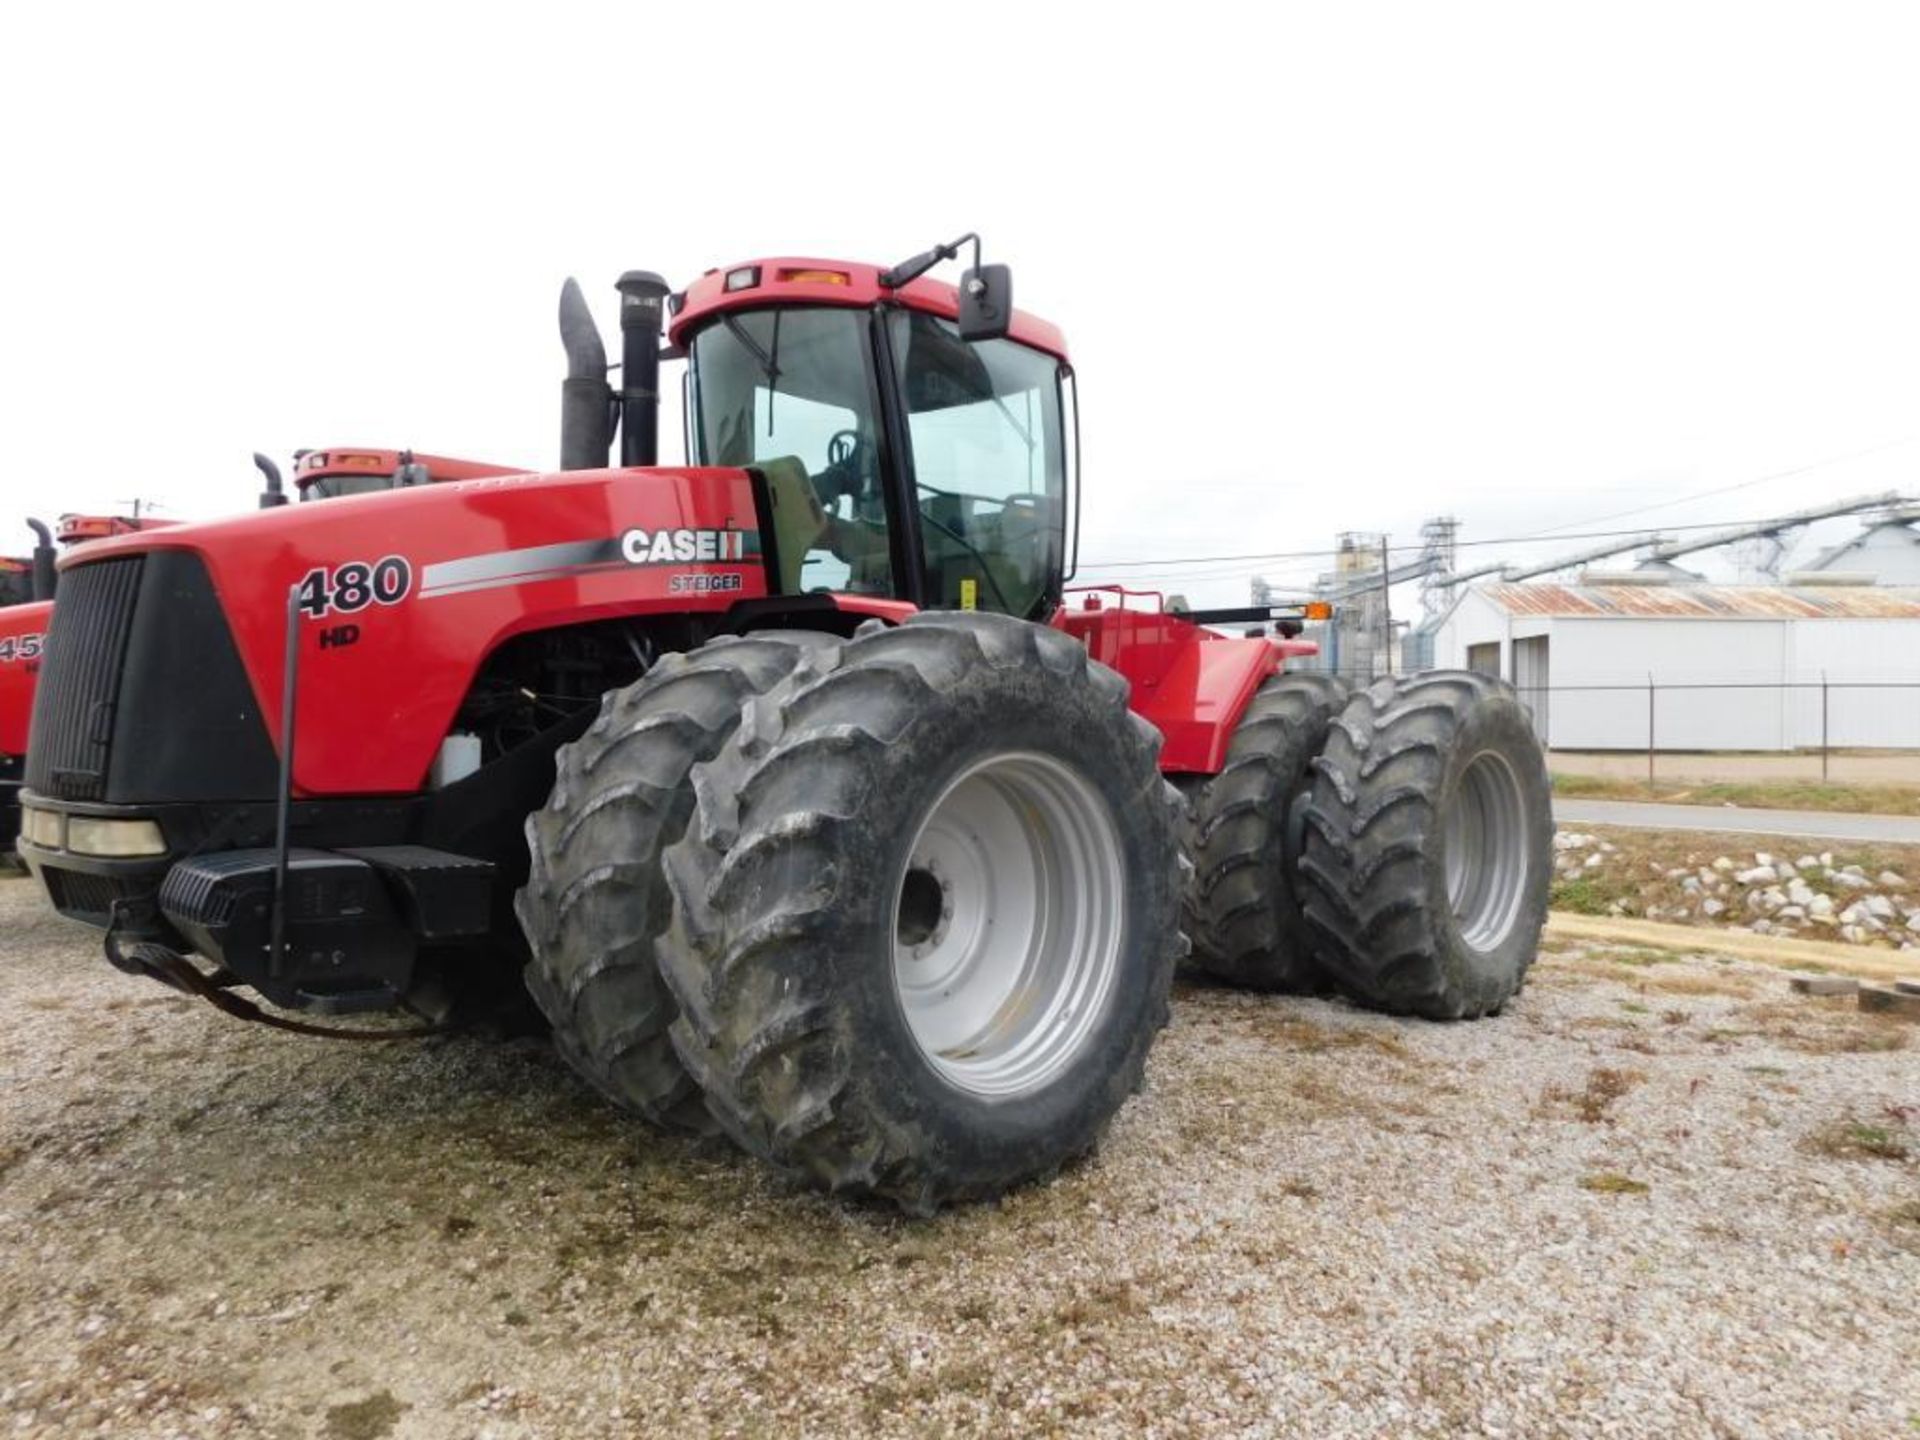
x: 1655, y: 1198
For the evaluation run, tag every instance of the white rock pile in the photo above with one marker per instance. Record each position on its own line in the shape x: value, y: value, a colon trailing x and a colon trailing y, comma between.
x: 1809, y: 896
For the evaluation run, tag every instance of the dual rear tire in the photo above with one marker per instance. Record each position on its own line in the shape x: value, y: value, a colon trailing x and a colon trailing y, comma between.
x: 1246, y: 830
x: 904, y: 928
x: 1394, y: 845
x: 1427, y: 863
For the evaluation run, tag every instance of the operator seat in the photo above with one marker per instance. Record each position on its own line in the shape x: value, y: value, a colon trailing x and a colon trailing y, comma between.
x: 798, y: 519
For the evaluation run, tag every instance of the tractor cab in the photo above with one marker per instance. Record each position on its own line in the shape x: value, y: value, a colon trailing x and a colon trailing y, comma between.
x: 78, y: 529
x: 330, y: 473
x: 909, y: 439
x: 901, y: 457
x: 16, y: 580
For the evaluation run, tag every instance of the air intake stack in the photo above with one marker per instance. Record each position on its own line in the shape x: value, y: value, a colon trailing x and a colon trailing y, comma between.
x: 45, y: 577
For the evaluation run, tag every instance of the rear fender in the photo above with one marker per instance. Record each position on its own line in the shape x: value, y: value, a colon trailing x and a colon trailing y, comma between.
x: 1189, y: 683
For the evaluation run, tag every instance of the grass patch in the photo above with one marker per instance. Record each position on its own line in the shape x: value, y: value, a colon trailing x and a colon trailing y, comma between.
x: 1754, y: 794
x: 1682, y: 983
x: 1640, y: 957
x: 1903, y: 1224
x: 1590, y: 894
x: 1823, y: 1028
x: 1308, y: 1037
x: 1592, y: 1101
x: 367, y: 1419
x: 1851, y: 1138
x: 1609, y: 1182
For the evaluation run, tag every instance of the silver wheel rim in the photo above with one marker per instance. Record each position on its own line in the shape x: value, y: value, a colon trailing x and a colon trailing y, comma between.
x: 1488, y: 851
x: 1007, y: 924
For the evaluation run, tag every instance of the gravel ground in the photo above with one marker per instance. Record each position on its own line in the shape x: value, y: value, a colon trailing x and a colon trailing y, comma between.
x: 1653, y: 1199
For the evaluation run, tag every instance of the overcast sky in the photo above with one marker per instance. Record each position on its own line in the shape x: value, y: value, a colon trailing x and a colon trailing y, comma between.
x: 1321, y: 267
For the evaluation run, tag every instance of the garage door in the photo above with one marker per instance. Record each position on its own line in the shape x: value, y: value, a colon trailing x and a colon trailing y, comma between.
x: 1530, y: 679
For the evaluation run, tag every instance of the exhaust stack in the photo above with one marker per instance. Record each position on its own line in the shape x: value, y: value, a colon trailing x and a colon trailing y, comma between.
x: 586, y: 400
x: 642, y: 294
x: 275, y: 493
x: 45, y: 577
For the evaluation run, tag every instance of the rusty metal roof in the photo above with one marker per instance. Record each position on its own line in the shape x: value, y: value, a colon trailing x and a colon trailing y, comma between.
x: 1709, y: 602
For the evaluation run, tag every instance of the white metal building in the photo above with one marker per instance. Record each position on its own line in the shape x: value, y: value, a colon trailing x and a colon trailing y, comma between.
x: 1585, y: 657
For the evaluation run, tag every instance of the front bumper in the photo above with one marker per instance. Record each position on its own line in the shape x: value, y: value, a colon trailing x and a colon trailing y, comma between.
x: 359, y: 901
x: 88, y: 887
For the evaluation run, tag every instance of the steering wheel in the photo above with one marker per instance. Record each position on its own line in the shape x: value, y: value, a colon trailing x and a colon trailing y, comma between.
x: 849, y: 467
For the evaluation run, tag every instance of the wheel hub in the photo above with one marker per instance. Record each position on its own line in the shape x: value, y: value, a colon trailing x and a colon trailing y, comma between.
x: 1489, y: 848
x: 1008, y: 924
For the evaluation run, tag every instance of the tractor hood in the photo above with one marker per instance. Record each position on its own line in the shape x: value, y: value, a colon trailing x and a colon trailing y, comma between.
x: 400, y: 596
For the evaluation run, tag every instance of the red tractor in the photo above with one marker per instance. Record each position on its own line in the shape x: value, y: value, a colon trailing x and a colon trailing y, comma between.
x: 26, y: 605
x: 810, y: 799
x: 26, y: 602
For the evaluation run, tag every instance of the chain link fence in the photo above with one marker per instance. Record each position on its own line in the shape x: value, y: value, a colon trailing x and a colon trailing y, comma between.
x: 1825, y: 727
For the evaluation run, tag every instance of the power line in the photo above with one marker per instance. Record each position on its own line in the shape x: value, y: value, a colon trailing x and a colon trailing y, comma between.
x: 1410, y: 549
x: 1729, y: 489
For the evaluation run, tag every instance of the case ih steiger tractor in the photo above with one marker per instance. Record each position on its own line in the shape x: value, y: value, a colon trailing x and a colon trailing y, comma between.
x: 26, y: 605
x: 812, y: 802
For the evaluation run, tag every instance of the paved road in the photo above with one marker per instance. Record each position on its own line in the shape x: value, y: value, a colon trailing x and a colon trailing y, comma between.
x: 1813, y: 824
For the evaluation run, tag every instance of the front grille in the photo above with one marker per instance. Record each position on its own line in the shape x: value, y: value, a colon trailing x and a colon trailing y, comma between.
x: 89, y: 897
x: 79, y: 680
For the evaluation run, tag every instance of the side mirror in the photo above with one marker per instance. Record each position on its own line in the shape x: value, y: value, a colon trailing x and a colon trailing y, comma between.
x: 986, y: 302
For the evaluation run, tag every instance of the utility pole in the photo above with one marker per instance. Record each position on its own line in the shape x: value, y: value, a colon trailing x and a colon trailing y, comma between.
x: 1386, y: 601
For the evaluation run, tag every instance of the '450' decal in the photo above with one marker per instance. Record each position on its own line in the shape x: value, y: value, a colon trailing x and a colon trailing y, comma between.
x: 21, y: 647
x: 354, y: 586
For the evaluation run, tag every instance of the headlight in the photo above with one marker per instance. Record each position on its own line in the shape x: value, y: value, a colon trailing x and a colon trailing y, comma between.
x: 40, y: 827
x: 88, y: 835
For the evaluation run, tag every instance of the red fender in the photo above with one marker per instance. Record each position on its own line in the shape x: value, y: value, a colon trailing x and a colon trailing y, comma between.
x: 1189, y: 682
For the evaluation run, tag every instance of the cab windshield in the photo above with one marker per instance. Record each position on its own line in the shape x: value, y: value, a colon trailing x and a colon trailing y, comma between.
x: 793, y: 393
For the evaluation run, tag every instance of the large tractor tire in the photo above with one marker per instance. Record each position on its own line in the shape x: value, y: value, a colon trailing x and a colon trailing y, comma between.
x: 1245, y: 831
x: 927, y: 913
x: 1429, y: 846
x: 596, y: 898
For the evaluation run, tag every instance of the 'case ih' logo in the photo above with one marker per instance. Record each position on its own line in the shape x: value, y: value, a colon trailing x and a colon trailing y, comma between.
x: 679, y: 547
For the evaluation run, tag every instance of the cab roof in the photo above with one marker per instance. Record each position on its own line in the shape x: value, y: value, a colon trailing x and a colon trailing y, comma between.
x: 312, y: 465
x: 798, y: 280
x: 76, y: 528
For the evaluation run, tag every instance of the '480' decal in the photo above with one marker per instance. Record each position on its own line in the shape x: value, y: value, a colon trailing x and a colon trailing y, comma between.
x: 345, y: 589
